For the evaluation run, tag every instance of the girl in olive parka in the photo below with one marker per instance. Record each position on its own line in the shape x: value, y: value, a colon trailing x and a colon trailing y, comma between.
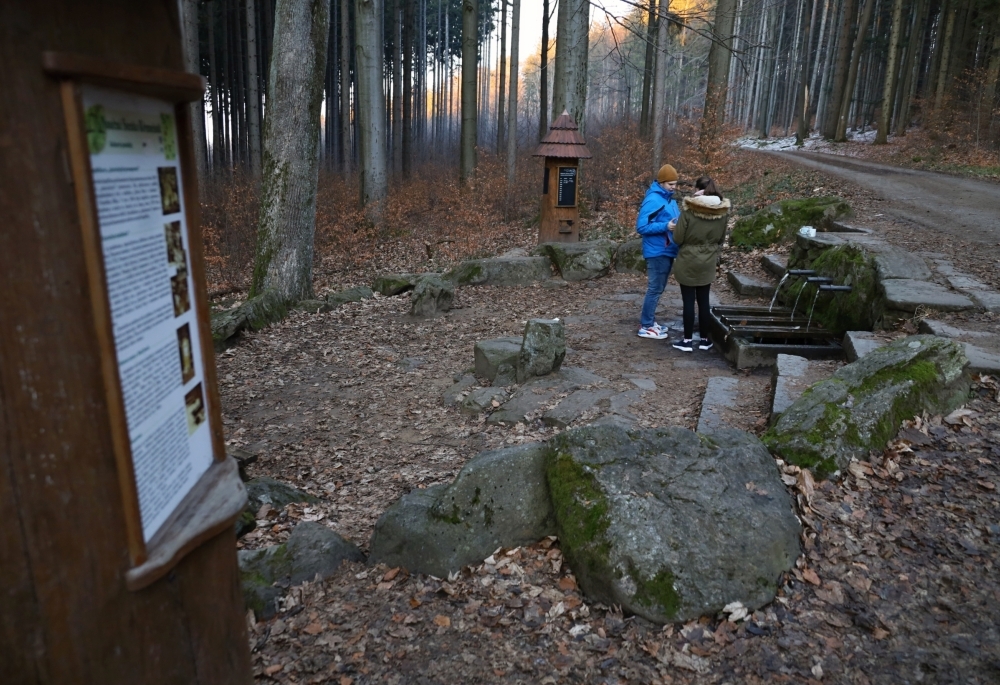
x: 700, y: 232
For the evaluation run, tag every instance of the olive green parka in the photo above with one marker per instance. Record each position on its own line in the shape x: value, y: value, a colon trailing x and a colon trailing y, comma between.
x: 700, y: 231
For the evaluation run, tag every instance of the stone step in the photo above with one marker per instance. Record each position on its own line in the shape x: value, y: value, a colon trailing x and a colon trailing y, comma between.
x: 906, y: 294
x: 750, y: 287
x: 857, y: 344
x: 940, y: 328
x: 982, y: 361
x: 776, y: 264
x: 789, y: 380
x: 720, y: 393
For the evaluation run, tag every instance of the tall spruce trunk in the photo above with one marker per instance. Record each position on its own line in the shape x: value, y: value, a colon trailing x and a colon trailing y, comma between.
x: 284, y: 254
x: 718, y: 76
x: 470, y: 50
x: 253, y: 98
x: 503, y: 75
x: 852, y: 72
x: 647, y: 68
x: 569, y: 91
x: 192, y: 64
x: 910, y: 66
x: 802, y: 130
x: 370, y: 110
x: 346, y: 146
x: 407, y: 52
x: 891, y: 75
x: 660, y: 89
x: 397, y: 92
x: 543, y: 75
x: 515, y: 34
x: 837, y: 88
x: 948, y: 16
x: 218, y: 156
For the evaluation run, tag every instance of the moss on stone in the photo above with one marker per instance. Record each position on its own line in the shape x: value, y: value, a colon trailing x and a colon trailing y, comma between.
x: 465, y: 273
x: 657, y: 592
x: 850, y: 265
x: 777, y: 223
x: 581, y: 511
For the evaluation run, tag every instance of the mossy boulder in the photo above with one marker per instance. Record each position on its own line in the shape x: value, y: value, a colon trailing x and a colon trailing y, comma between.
x: 580, y: 261
x: 861, y: 406
x: 777, y: 223
x: 670, y: 524
x: 311, y: 550
x: 394, y: 284
x: 543, y: 348
x: 254, y: 314
x: 356, y: 294
x: 847, y: 264
x: 497, y: 499
x: 505, y: 271
x: 431, y: 295
x: 629, y: 259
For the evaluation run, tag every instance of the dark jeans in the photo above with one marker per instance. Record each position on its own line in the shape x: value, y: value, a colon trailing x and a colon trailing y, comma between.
x: 689, y: 293
x: 657, y: 271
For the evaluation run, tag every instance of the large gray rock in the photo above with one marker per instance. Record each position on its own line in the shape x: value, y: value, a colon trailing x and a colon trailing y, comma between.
x: 860, y: 408
x: 266, y: 490
x: 431, y: 295
x: 629, y: 259
x: 498, y: 499
x: 543, y: 348
x: 580, y: 261
x: 254, y: 314
x: 505, y: 271
x: 491, y: 354
x: 669, y: 524
x: 356, y: 294
x: 394, y: 284
x: 311, y: 550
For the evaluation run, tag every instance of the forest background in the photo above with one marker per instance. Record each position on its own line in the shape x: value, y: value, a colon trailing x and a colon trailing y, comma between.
x: 912, y: 83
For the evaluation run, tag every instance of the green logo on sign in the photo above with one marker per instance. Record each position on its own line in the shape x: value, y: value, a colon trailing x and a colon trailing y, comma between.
x: 169, y: 134
x: 97, y: 136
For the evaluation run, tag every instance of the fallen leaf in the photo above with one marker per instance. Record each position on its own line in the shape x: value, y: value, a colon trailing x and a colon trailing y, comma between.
x: 567, y: 583
x: 442, y: 621
x: 986, y: 485
x: 313, y: 628
x: 272, y: 669
x: 391, y: 573
x: 880, y: 634
x: 810, y: 576
x: 414, y: 602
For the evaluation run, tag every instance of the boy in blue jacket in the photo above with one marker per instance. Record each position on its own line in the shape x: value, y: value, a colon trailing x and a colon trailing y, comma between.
x: 657, y: 218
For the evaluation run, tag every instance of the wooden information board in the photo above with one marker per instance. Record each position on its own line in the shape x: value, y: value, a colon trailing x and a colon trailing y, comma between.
x: 567, y: 187
x: 133, y: 178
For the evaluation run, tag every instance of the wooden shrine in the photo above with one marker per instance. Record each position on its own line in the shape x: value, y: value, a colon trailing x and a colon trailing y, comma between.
x: 562, y: 147
x: 117, y: 549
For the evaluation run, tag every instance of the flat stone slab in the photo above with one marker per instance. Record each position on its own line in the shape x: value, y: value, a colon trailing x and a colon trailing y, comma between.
x: 857, y: 344
x: 893, y: 262
x: 982, y: 361
x: 491, y: 354
x: 641, y: 382
x: 789, y: 380
x: 940, y: 328
x: 776, y: 264
x: 574, y: 406
x: 751, y: 287
x: 720, y: 392
x: 987, y: 299
x: 906, y: 294
x: 963, y: 282
x: 538, y: 392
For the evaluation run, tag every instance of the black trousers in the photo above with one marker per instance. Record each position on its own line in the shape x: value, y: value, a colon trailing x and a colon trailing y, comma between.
x: 690, y: 293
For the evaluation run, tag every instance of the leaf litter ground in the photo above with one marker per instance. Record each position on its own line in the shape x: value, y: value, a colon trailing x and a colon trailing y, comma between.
x: 897, y: 583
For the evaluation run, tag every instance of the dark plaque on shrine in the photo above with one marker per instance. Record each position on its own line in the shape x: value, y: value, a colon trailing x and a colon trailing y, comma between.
x: 567, y: 187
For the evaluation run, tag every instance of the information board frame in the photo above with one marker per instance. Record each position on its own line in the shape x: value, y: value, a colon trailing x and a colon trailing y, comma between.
x: 213, y: 502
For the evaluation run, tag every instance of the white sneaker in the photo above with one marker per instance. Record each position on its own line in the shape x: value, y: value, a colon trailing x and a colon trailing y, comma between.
x: 653, y: 332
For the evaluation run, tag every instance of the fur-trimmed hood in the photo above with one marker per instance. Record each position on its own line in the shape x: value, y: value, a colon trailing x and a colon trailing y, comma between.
x: 705, y: 207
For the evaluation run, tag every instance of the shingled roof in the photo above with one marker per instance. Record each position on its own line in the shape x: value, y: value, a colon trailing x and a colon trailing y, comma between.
x: 563, y: 140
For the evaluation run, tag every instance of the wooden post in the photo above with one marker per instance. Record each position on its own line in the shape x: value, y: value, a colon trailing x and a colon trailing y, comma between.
x: 93, y: 593
x: 563, y: 148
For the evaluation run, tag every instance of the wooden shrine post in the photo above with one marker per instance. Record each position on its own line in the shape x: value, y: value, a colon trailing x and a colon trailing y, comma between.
x: 117, y: 549
x: 563, y: 147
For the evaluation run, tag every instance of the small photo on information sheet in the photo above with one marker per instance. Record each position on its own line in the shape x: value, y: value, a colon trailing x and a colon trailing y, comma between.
x: 144, y: 237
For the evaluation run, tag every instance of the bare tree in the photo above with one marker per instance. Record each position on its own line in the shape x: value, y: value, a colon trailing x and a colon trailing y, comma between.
x: 660, y: 88
x: 284, y: 254
x: 347, y: 148
x: 543, y: 75
x: 370, y: 107
x: 503, y: 73
x: 891, y: 69
x: 253, y: 102
x: 515, y: 32
x: 470, y: 51
x: 569, y: 89
x: 192, y: 63
x: 718, y: 74
x: 647, y: 73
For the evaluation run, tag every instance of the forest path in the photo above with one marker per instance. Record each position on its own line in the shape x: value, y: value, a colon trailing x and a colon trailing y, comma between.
x: 963, y: 207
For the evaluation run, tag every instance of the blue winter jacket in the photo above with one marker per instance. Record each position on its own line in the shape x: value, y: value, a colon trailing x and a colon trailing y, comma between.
x: 658, y: 209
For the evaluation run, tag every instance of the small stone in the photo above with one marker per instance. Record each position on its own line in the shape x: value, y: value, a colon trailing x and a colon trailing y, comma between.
x: 490, y: 355
x: 543, y: 348
x: 857, y: 344
x: 431, y: 295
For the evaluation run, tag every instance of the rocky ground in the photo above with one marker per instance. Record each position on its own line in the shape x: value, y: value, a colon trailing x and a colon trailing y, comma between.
x: 897, y: 583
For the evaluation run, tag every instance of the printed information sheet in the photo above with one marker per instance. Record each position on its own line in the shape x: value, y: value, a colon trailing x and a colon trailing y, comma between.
x: 144, y: 236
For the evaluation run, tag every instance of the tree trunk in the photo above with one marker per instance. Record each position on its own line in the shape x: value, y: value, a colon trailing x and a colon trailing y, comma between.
x: 213, y: 71
x: 647, y: 72
x: 543, y: 75
x: 192, y: 63
x: 891, y: 75
x: 569, y: 91
x: 253, y: 123
x: 370, y: 111
x: 718, y: 76
x: 503, y: 74
x: 992, y: 74
x: 397, y: 92
x: 470, y: 50
x: 910, y: 63
x: 346, y: 146
x: 239, y: 70
x: 852, y: 72
x: 949, y: 32
x: 660, y: 89
x: 803, y: 100
x: 838, y: 87
x: 284, y: 252
x: 515, y: 34
x: 407, y: 86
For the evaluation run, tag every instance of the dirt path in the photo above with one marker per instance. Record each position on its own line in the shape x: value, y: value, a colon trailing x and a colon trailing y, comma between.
x: 966, y: 208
